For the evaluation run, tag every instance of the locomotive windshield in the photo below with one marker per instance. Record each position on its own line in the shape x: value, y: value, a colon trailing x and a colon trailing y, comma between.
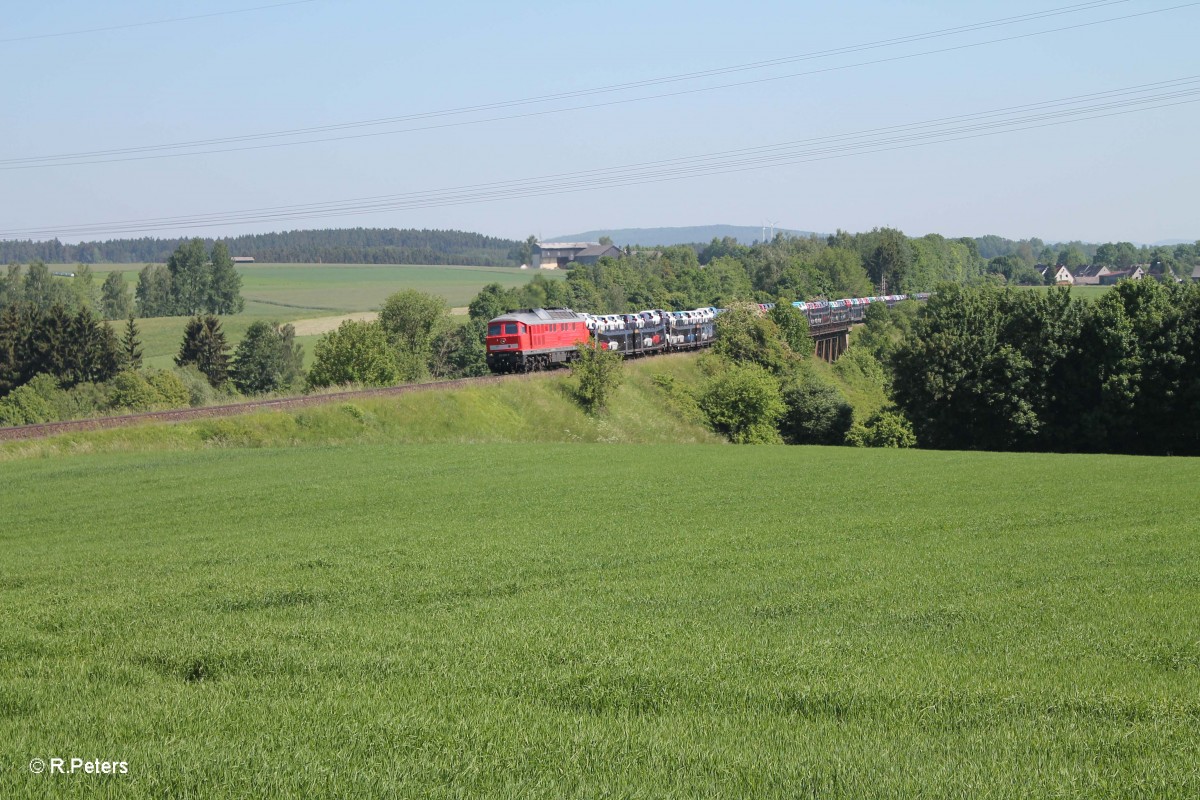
x: 498, y: 328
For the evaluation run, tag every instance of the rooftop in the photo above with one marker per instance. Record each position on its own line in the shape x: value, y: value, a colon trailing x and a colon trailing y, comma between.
x: 567, y: 245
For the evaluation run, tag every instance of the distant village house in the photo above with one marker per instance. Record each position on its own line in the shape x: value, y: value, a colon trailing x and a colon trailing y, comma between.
x: 1090, y: 275
x: 562, y: 255
x: 1062, y: 275
x: 1134, y: 273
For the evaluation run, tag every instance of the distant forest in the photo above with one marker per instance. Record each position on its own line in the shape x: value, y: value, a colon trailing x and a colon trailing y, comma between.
x: 328, y: 246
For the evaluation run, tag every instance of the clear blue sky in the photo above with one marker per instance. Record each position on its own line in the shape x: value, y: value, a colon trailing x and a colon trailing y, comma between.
x: 1132, y: 177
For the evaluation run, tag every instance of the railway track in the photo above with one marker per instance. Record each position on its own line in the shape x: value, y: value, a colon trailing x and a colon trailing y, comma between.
x: 44, y: 429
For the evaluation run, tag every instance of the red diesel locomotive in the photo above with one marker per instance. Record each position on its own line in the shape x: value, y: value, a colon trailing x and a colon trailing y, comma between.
x: 533, y: 339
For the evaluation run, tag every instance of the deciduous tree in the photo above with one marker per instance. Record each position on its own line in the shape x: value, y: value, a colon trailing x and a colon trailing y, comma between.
x: 357, y: 352
x: 412, y: 320
x: 115, y: 300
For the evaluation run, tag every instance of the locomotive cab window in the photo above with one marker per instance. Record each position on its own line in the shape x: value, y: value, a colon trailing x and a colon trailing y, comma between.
x: 510, y: 327
x: 494, y: 329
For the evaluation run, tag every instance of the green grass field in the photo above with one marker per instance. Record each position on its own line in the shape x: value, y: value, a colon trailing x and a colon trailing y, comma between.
x: 358, y: 287
x: 585, y: 621
x: 341, y: 288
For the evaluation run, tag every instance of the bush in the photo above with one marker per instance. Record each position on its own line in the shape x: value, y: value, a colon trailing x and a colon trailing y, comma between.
x: 743, y: 402
x: 793, y: 326
x: 598, y: 372
x: 412, y: 320
x: 25, y: 405
x: 745, y: 336
x: 858, y: 367
x: 357, y: 352
x: 817, y: 413
x: 200, y: 391
x: 130, y: 391
x: 459, y: 351
x: 82, y: 400
x: 883, y: 429
x: 133, y: 391
x: 171, y: 390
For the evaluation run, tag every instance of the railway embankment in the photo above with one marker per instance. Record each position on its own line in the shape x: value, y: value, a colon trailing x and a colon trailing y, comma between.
x: 648, y: 408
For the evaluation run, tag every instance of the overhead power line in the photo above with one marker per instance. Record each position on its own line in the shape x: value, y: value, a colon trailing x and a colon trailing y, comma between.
x: 180, y: 149
x: 1078, y: 108
x: 129, y: 25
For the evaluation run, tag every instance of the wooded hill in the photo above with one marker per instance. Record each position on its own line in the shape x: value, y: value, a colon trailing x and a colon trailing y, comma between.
x: 327, y: 246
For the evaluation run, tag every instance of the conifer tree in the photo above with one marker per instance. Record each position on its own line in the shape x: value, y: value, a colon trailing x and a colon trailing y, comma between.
x: 131, y: 345
x: 205, y: 346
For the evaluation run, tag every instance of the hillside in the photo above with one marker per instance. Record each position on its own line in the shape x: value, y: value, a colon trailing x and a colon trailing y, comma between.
x: 664, y: 237
x: 327, y: 246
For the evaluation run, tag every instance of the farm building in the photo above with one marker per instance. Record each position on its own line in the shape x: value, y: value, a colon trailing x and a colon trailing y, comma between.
x: 243, y: 259
x: 1196, y: 275
x: 1134, y: 273
x: 1062, y: 275
x: 559, y: 255
x: 1091, y: 274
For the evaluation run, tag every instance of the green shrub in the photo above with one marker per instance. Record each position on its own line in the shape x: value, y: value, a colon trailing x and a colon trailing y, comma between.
x: 743, y: 402
x: 172, y: 392
x: 82, y: 400
x: 25, y: 406
x: 681, y: 398
x: 598, y: 372
x: 858, y: 367
x: 130, y: 391
x: 884, y: 428
x: 357, y: 352
x: 745, y: 336
x: 200, y: 391
x: 817, y: 413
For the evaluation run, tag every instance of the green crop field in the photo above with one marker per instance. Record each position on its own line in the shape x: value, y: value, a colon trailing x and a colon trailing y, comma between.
x: 283, y: 289
x: 357, y: 287
x: 574, y: 620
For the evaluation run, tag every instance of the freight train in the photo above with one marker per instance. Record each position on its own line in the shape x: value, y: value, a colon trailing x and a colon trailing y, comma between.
x: 533, y: 339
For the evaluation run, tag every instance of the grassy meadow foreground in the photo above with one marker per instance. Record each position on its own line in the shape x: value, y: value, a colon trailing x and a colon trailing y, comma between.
x: 572, y: 620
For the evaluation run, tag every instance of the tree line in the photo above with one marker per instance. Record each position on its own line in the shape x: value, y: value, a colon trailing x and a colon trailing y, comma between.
x: 1175, y: 260
x: 193, y: 281
x: 983, y: 368
x: 57, y: 365
x: 328, y: 246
